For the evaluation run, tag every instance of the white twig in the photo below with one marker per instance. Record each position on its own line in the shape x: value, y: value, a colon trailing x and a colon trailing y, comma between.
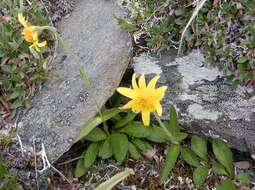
x: 36, y: 174
x: 200, y: 4
x: 21, y: 145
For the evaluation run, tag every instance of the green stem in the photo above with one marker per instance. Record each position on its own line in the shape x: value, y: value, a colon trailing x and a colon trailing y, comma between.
x: 168, y: 133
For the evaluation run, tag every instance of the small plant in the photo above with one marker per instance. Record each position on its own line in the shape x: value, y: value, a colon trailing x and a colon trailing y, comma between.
x: 8, y: 181
x: 22, y: 66
x: 116, y: 132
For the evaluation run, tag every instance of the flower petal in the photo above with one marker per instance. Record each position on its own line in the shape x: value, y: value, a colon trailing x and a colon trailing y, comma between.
x: 128, y: 92
x: 134, y: 84
x: 160, y: 92
x: 146, y: 118
x: 128, y: 105
x: 152, y: 83
x: 22, y: 20
x: 42, y: 44
x: 159, y: 109
x: 141, y: 82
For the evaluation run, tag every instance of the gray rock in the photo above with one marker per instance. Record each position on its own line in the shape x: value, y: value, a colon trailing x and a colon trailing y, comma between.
x: 63, y: 105
x: 206, y: 104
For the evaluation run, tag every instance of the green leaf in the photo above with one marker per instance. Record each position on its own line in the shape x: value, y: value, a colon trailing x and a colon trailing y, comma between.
x: 95, y: 121
x: 179, y: 136
x: 142, y: 145
x: 223, y: 154
x: 133, y: 151
x: 226, y: 185
x: 125, y: 24
x: 119, y: 144
x: 130, y: 117
x: 218, y: 169
x: 136, y: 129
x: 2, y: 170
x: 243, y: 178
x: 199, y: 146
x: 200, y: 175
x: 242, y: 59
x: 109, y: 184
x: 171, y: 157
x: 105, y: 150
x: 96, y: 135
x: 80, y: 169
x: 91, y: 155
x: 157, y: 134
x: 190, y: 157
x: 16, y: 104
x: 173, y: 124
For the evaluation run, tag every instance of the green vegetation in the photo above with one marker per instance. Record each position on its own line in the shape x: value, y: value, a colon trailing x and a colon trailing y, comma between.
x: 223, y: 30
x: 22, y: 70
x: 120, y: 134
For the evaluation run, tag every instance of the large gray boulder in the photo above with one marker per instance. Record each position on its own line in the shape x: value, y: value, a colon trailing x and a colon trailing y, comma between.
x: 206, y: 104
x: 63, y: 104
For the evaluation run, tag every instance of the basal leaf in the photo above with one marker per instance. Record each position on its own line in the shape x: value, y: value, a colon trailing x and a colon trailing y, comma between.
x: 136, y: 129
x: 156, y: 134
x: 105, y: 150
x: 190, y: 157
x: 90, y: 155
x: 130, y: 117
x: 133, y: 151
x: 199, y: 146
x: 200, y: 175
x: 219, y: 169
x: 243, y: 178
x: 223, y: 154
x: 95, y: 121
x: 80, y: 168
x: 119, y: 143
x: 173, y: 124
x: 109, y: 184
x: 142, y: 145
x: 226, y: 185
x: 171, y: 157
x: 96, y: 135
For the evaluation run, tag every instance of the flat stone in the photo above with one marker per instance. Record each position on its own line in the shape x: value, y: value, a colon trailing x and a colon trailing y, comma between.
x: 206, y: 104
x: 63, y: 104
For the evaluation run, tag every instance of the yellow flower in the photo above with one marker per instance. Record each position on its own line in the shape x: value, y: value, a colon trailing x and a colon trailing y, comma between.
x: 30, y: 34
x: 145, y: 99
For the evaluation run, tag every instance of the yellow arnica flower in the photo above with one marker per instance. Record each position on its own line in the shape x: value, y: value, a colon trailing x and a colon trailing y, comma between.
x: 30, y: 34
x: 145, y: 99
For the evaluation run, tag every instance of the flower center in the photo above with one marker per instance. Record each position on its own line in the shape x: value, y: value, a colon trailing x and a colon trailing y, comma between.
x: 146, y: 102
x: 28, y: 34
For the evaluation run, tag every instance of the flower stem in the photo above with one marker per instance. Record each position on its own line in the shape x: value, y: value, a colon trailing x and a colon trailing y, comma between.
x: 168, y: 133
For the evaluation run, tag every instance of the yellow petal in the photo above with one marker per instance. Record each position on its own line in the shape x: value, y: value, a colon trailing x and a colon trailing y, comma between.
x: 152, y: 83
x: 36, y: 47
x: 160, y: 92
x: 134, y: 84
x: 128, y: 92
x: 159, y: 109
x: 22, y: 20
x: 128, y: 105
x: 141, y: 81
x: 42, y: 44
x: 146, y: 118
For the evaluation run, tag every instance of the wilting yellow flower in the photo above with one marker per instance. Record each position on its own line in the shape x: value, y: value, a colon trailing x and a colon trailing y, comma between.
x: 145, y: 99
x: 30, y: 34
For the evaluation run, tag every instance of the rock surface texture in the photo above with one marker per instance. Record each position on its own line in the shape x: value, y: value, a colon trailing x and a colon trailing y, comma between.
x: 63, y: 105
x: 205, y: 103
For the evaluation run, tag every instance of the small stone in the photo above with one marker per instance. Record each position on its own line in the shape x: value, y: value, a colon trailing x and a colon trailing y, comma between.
x: 244, y: 165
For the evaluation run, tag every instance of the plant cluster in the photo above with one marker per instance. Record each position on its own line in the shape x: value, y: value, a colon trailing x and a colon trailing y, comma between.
x: 22, y: 65
x: 8, y: 180
x: 223, y: 30
x: 117, y: 133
